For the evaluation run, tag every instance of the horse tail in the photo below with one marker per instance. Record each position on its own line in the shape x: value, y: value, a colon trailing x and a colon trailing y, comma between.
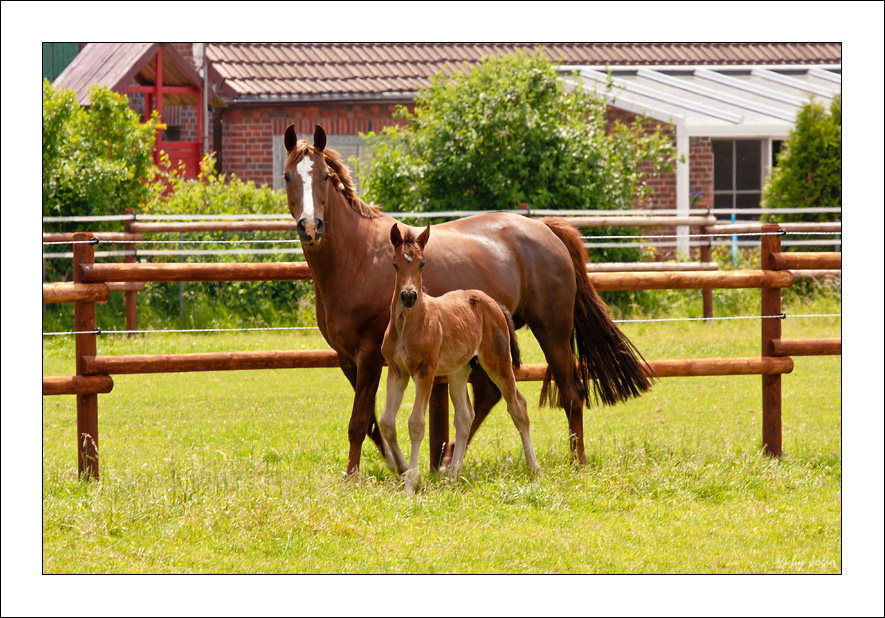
x: 606, y: 357
x: 514, y: 344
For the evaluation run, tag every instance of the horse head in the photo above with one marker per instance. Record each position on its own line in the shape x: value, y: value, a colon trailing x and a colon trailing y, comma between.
x: 408, y: 260
x: 307, y: 184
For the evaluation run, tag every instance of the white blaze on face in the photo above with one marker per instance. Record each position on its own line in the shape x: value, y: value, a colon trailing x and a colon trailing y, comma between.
x: 408, y: 257
x: 303, y: 168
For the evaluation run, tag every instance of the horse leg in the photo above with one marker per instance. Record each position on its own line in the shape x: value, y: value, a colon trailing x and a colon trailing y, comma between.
x: 350, y: 372
x: 500, y: 372
x: 362, y: 417
x: 557, y: 349
x: 423, y: 388
x: 485, y: 396
x: 396, y: 387
x: 463, y: 417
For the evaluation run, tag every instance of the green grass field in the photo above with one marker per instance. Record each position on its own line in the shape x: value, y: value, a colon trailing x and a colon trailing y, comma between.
x: 241, y: 472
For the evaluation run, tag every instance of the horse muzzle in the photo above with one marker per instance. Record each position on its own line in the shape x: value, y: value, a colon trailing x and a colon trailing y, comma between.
x: 409, y: 298
x: 310, y: 231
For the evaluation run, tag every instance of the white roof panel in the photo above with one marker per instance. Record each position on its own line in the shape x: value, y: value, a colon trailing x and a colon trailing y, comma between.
x: 715, y: 101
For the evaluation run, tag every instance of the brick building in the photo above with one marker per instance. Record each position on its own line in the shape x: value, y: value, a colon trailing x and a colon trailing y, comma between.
x: 728, y: 106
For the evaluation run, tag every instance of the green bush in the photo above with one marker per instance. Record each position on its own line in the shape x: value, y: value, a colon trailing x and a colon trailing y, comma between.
x: 507, y: 132
x: 214, y: 193
x: 809, y: 167
x: 234, y: 304
x: 96, y: 160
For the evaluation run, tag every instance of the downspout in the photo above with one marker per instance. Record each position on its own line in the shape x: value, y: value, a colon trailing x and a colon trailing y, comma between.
x: 682, y: 186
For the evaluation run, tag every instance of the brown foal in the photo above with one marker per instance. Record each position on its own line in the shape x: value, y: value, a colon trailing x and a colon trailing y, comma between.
x: 433, y: 336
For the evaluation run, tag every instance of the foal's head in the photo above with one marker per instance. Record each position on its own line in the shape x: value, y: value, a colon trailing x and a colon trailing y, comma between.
x: 408, y: 260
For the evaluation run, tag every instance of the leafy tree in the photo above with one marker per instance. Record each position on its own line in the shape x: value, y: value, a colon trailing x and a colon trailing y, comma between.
x: 96, y: 160
x: 809, y: 167
x: 508, y: 132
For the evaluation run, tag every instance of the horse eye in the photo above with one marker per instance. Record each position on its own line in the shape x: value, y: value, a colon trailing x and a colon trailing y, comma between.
x: 395, y: 266
x: 325, y: 176
x: 422, y: 265
x: 287, y: 176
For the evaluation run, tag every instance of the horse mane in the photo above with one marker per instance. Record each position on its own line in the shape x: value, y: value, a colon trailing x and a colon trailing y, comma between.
x: 339, y: 174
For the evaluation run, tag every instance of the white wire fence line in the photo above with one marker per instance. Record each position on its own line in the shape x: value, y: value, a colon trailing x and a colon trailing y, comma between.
x: 98, y: 331
x: 457, y: 214
x: 597, y: 242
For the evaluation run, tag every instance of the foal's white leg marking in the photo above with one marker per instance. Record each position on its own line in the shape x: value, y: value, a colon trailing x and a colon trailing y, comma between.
x: 303, y: 168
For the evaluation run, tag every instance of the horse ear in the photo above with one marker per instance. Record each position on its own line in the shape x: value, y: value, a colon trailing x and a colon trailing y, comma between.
x: 290, y: 138
x: 396, y: 239
x: 424, y: 237
x: 319, y: 138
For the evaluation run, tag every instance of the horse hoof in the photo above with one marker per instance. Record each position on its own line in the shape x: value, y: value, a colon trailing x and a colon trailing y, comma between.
x: 411, y: 479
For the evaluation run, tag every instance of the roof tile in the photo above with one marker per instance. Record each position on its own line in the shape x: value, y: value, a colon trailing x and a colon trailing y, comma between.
x: 364, y: 69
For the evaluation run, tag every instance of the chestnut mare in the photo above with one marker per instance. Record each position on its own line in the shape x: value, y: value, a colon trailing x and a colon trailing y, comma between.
x: 535, y: 269
x: 429, y: 336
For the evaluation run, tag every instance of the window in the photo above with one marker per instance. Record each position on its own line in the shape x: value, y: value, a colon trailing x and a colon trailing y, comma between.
x: 172, y: 134
x: 738, y: 174
x: 346, y: 145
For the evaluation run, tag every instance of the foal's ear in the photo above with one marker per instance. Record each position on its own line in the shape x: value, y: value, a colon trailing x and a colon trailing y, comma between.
x: 396, y: 239
x: 424, y: 237
x: 290, y: 138
x: 319, y: 138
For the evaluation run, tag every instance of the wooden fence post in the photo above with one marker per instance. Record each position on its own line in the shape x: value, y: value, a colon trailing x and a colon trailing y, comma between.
x: 707, y: 256
x: 87, y: 404
x: 131, y: 297
x: 771, y: 332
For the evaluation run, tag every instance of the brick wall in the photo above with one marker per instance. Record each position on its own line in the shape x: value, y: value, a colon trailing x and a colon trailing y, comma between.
x: 700, y: 154
x: 248, y: 132
x: 184, y: 116
x: 662, y: 186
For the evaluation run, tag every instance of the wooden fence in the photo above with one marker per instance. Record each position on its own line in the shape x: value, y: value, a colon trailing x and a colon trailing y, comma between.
x: 704, y: 223
x: 92, y: 282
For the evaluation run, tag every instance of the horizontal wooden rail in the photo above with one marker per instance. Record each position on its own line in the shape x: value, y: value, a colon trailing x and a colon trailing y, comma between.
x: 211, y: 361
x: 798, y: 227
x: 797, y: 260
x: 688, y: 367
x: 221, y: 271
x: 807, y: 347
x: 106, y: 236
x: 214, y: 226
x: 620, y: 267
x: 615, y: 282
x: 68, y: 292
x: 77, y: 385
x: 318, y: 359
x: 127, y: 286
x: 286, y: 271
x: 721, y: 367
x: 637, y: 222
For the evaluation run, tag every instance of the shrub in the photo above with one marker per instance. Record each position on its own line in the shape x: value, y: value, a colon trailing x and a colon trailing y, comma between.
x: 504, y: 133
x: 809, y: 167
x: 96, y: 160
